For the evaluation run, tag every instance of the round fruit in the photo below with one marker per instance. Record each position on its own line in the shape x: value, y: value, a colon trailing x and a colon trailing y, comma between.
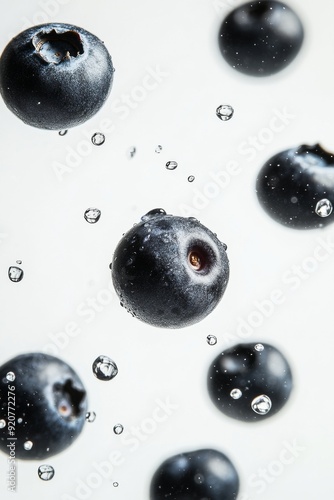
x: 291, y: 185
x: 197, y: 475
x: 43, y: 406
x: 170, y: 271
x: 261, y: 38
x: 55, y: 76
x: 250, y: 382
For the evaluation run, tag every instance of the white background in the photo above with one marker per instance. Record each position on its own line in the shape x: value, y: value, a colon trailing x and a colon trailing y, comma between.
x: 65, y: 259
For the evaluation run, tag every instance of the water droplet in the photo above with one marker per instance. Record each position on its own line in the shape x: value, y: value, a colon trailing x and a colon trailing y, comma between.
x: 224, y: 112
x: 104, y: 368
x: 92, y: 215
x: 236, y: 394
x: 211, y: 339
x: 62, y: 132
x: 28, y: 445
x: 20, y: 420
x: 259, y: 347
x: 15, y: 274
x: 294, y: 199
x: 191, y: 178
x: 153, y: 213
x: 19, y: 262
x: 2, y: 423
x: 324, y: 208
x: 10, y: 376
x: 118, y: 429
x: 158, y: 149
x: 115, y: 484
x: 225, y: 246
x: 171, y: 165
x: 199, y: 479
x: 98, y: 139
x: 261, y: 404
x: 46, y: 472
x: 90, y: 416
x: 131, y: 152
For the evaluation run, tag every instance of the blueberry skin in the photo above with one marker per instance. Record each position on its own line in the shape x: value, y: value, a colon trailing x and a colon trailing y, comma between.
x: 49, y: 398
x: 261, y: 38
x: 197, y: 475
x: 254, y: 373
x: 290, y: 184
x: 170, y: 271
x: 55, y: 76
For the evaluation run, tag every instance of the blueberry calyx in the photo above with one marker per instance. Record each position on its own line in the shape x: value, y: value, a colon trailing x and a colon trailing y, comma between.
x: 55, y: 47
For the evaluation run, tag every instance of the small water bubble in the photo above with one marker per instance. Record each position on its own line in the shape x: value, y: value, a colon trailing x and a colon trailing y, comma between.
x: 92, y: 215
x: 131, y: 151
x: 191, y: 178
x: 90, y: 416
x: 261, y: 404
x: 171, y: 165
x: 324, y: 208
x: 236, y: 394
x: 20, y: 420
x: 62, y: 132
x: 158, y: 149
x: 104, y: 368
x: 19, y: 262
x: 28, y: 445
x: 153, y: 213
x: 259, y: 347
x: 98, y: 139
x: 199, y: 479
x: 15, y: 274
x: 115, y: 484
x: 224, y: 112
x: 46, y: 472
x: 2, y: 423
x: 10, y: 376
x: 211, y: 340
x: 118, y: 429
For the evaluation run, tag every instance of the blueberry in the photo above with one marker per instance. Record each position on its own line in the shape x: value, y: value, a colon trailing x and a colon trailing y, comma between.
x: 250, y: 382
x: 170, y: 271
x: 292, y: 183
x: 197, y: 475
x: 261, y: 38
x: 55, y: 76
x: 43, y: 403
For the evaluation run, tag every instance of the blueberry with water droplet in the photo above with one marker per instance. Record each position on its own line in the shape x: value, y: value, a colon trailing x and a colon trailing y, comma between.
x: 169, y: 271
x: 196, y: 475
x: 52, y: 399
x: 292, y: 183
x: 250, y: 382
x: 260, y: 38
x: 55, y: 76
x: 104, y: 368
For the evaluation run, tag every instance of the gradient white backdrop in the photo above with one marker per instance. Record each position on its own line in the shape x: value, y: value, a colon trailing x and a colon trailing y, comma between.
x: 48, y: 181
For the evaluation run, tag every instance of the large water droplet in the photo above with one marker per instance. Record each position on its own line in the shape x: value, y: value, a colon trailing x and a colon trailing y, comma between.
x: 90, y: 416
x: 28, y: 445
x: 259, y: 347
x: 104, y: 368
x: 324, y: 208
x: 98, y: 139
x: 92, y: 215
x: 211, y: 340
x: 10, y: 376
x: 46, y: 472
x: 153, y: 213
x: 261, y: 404
x: 118, y: 429
x: 224, y: 112
x: 15, y: 274
x: 2, y: 423
x: 236, y: 394
x: 171, y: 165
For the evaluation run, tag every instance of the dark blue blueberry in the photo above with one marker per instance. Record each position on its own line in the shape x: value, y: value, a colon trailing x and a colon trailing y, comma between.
x: 292, y: 182
x: 197, y: 475
x: 48, y: 402
x: 170, y: 271
x: 261, y: 38
x: 55, y: 76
